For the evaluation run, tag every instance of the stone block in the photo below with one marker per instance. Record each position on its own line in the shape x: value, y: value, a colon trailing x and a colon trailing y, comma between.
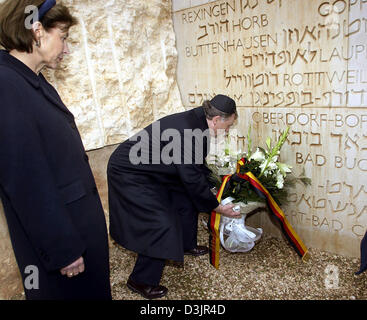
x: 297, y: 64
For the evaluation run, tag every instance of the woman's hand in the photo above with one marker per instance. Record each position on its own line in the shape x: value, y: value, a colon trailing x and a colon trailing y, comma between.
x: 74, y: 269
x: 227, y: 211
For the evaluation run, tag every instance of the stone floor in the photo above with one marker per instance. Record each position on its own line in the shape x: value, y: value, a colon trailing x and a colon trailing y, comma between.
x: 270, y: 271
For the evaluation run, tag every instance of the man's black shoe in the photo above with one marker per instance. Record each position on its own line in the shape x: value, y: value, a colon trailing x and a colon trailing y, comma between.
x: 198, y: 251
x: 148, y: 292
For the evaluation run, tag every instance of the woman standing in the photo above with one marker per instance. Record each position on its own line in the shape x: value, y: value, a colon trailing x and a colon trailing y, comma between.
x: 53, y: 210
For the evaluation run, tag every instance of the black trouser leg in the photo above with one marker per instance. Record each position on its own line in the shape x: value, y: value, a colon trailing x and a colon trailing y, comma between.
x: 190, y: 230
x: 148, y: 270
x: 188, y: 218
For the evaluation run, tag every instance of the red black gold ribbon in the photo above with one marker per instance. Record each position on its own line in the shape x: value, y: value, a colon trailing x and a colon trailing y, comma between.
x: 214, y: 240
x: 291, y: 235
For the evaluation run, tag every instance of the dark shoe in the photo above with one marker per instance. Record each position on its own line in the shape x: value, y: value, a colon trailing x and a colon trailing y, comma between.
x: 148, y: 292
x: 198, y: 251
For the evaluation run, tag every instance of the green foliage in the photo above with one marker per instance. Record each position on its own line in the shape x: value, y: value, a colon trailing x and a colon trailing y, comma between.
x: 272, y: 152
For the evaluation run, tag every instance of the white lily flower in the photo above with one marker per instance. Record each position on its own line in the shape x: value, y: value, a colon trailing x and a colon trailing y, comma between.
x: 268, y: 168
x: 280, y: 180
x: 284, y: 168
x: 227, y: 159
x: 258, y: 155
x: 272, y: 165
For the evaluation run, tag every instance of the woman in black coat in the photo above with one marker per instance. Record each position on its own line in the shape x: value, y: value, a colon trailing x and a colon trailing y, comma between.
x: 158, y: 183
x: 53, y: 210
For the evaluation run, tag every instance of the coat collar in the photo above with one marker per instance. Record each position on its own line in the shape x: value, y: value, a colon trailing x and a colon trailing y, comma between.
x: 200, y: 115
x: 8, y: 60
x: 37, y: 81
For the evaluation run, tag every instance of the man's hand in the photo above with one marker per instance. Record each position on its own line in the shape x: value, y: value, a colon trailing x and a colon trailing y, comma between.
x: 227, y: 211
x: 73, y: 269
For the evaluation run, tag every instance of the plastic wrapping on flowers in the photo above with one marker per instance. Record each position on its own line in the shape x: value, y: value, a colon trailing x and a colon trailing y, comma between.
x: 234, y: 235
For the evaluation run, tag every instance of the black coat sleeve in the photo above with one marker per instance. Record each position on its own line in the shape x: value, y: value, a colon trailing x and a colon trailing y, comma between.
x: 29, y: 185
x: 193, y: 176
x: 197, y: 186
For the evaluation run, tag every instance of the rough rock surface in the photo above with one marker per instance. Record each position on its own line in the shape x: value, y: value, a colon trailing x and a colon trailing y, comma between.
x: 121, y: 73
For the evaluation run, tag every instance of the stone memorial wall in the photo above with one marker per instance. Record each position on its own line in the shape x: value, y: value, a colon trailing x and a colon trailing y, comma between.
x: 296, y: 63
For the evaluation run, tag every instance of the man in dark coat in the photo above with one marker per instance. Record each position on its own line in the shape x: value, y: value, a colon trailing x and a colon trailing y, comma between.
x: 157, y: 186
x: 54, y: 214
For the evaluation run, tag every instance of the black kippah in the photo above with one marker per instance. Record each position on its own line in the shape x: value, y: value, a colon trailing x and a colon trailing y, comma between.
x: 224, y: 104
